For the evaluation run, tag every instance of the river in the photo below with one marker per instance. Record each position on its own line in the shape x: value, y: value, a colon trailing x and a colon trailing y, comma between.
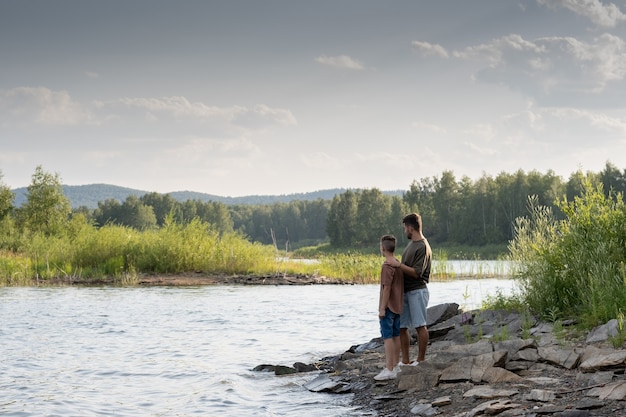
x: 186, y: 351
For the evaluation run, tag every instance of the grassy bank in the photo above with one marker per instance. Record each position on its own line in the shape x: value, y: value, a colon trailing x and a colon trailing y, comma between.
x: 86, y: 252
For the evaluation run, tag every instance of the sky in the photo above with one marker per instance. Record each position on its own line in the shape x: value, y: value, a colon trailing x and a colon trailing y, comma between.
x: 273, y: 97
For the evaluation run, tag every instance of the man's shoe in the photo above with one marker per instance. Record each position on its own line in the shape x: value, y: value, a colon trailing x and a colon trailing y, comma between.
x: 386, y: 374
x: 414, y: 363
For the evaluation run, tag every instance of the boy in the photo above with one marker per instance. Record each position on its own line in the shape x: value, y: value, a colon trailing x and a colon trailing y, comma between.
x: 390, y: 307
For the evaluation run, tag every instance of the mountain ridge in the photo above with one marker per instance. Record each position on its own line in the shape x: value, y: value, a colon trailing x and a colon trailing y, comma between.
x: 89, y: 195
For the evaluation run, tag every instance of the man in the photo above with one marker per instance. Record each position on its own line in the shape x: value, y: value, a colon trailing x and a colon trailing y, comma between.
x: 416, y: 263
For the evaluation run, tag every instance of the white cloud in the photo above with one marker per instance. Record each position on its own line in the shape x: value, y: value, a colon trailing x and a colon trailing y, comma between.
x: 341, y: 61
x: 322, y: 161
x: 180, y: 107
x: 92, y: 75
x: 23, y: 106
x: 496, y: 50
x: 486, y: 131
x: 549, y: 65
x: 430, y: 127
x: 608, y: 15
x: 380, y: 159
x: 427, y: 48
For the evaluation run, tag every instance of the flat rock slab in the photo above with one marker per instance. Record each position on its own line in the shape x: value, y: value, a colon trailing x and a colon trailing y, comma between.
x: 614, y: 391
x: 487, y: 392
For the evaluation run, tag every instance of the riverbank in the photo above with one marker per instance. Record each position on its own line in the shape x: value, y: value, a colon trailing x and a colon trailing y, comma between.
x: 194, y: 279
x: 487, y: 363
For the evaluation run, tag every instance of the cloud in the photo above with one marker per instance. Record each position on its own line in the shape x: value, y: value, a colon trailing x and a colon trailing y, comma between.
x: 427, y: 48
x: 608, y: 15
x: 430, y: 127
x: 341, y: 61
x: 263, y: 115
x: 550, y: 65
x: 181, y: 109
x: 23, y: 106
x: 178, y: 107
x: 386, y: 159
x: 496, y: 51
x: 91, y: 74
x: 322, y: 161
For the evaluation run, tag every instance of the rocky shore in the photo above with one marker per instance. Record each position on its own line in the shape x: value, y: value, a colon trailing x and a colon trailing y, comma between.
x: 195, y: 279
x: 492, y: 363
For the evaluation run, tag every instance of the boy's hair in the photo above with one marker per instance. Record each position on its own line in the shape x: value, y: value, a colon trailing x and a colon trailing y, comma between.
x: 388, y: 242
x: 414, y: 220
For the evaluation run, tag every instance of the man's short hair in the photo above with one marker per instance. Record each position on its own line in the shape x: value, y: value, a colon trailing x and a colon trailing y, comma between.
x: 414, y: 220
x: 388, y: 242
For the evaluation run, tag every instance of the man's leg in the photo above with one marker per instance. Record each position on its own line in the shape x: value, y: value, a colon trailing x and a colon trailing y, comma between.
x: 405, y: 342
x: 422, y: 342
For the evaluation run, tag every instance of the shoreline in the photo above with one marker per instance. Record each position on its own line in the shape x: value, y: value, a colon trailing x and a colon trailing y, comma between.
x: 472, y: 369
x: 193, y: 279
x: 206, y: 278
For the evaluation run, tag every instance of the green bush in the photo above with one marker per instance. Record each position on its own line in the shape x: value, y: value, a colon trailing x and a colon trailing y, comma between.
x: 574, y: 267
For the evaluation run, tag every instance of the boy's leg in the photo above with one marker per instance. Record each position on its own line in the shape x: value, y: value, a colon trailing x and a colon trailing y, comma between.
x: 389, y: 354
x: 396, y: 350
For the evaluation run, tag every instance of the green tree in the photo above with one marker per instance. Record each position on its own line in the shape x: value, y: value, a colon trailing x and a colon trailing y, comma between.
x: 342, y: 223
x: 136, y: 214
x: 108, y: 211
x: 613, y: 180
x: 372, y: 216
x: 397, y: 211
x: 162, y: 205
x: 445, y: 203
x: 6, y: 199
x: 216, y: 214
x: 46, y: 209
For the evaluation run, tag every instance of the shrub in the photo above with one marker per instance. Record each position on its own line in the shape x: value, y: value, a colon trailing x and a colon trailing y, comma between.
x: 574, y: 267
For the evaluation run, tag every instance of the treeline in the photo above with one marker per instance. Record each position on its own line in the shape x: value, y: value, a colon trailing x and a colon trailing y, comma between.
x: 455, y: 211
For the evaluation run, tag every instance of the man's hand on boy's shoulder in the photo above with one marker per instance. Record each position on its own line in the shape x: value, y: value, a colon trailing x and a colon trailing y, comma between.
x: 393, y: 262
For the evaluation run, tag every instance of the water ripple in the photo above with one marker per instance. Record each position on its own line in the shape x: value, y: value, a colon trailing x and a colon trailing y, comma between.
x: 181, y: 351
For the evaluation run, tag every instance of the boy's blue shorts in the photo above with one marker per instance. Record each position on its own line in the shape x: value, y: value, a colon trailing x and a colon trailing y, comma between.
x: 390, y: 325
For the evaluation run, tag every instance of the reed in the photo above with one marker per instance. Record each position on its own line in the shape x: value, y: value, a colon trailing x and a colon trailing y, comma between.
x: 123, y: 252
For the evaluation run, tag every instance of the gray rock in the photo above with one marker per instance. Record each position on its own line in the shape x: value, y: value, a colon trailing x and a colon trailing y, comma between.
x: 542, y: 376
x: 612, y: 391
x: 441, y: 312
x: 496, y: 375
x: 567, y: 358
x: 615, y: 359
x: 602, y: 333
x: 488, y: 392
x: 324, y: 383
x: 540, y: 395
x: 425, y: 410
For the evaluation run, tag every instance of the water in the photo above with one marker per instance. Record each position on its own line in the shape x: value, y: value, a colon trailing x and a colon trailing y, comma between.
x: 169, y: 351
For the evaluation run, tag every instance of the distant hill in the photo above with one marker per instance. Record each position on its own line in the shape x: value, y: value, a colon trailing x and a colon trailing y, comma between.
x: 90, y: 195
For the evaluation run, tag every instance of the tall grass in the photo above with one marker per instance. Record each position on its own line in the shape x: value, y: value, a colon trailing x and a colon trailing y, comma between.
x: 88, y: 253
x: 119, y: 251
x: 574, y: 267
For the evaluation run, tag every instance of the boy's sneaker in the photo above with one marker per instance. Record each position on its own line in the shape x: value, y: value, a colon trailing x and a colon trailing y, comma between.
x: 414, y: 363
x: 386, y: 374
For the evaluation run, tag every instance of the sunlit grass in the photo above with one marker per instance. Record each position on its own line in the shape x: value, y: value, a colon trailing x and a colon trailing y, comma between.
x: 123, y: 253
